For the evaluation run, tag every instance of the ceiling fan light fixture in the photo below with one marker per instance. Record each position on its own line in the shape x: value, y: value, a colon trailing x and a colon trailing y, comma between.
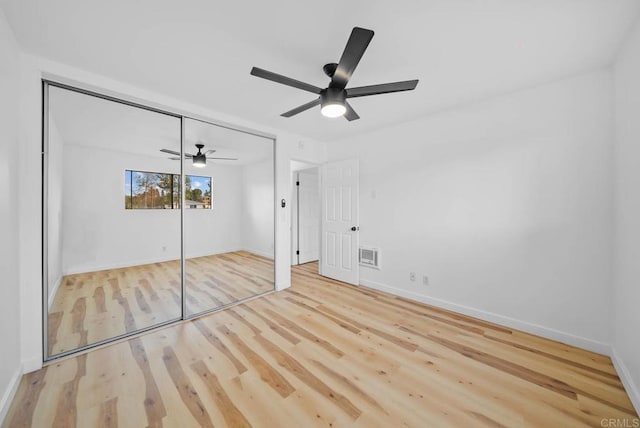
x: 333, y: 110
x: 199, y: 161
x: 333, y: 102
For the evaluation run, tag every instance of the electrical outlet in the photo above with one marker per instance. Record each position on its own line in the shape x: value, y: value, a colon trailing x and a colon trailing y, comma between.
x: 412, y: 276
x: 425, y: 280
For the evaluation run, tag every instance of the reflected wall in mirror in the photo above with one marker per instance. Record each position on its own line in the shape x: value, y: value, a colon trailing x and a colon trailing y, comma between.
x: 229, y: 248
x: 113, y: 268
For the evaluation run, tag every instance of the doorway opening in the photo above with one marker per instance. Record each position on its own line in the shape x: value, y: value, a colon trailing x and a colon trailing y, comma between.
x: 324, y: 218
x: 305, y: 213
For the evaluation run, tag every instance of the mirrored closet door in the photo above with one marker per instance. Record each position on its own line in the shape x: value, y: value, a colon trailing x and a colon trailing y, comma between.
x: 228, y: 216
x: 125, y: 249
x: 112, y: 220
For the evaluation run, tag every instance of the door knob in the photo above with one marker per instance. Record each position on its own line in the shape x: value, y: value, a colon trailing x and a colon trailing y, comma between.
x: 354, y: 228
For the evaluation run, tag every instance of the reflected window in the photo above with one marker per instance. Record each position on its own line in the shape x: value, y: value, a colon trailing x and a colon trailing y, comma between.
x: 158, y: 190
x: 197, y: 192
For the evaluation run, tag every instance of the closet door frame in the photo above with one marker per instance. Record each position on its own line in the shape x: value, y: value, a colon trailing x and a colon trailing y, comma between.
x: 46, y: 83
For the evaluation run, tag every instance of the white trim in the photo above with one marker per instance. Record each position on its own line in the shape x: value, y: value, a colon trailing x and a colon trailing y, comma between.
x: 282, y: 286
x: 260, y: 253
x: 538, y: 330
x: 88, y: 269
x: 9, y: 394
x: 625, y: 376
x: 52, y: 292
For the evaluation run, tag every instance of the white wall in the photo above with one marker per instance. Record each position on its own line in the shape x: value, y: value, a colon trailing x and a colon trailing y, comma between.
x: 257, y: 209
x: 99, y: 233
x: 626, y: 315
x: 504, y: 204
x: 10, y: 367
x: 219, y: 230
x: 32, y: 69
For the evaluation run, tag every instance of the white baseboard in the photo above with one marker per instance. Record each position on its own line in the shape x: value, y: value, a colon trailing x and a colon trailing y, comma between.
x: 52, y: 292
x: 282, y: 286
x: 261, y: 253
x: 120, y: 265
x: 9, y: 393
x: 546, y: 332
x: 625, y: 376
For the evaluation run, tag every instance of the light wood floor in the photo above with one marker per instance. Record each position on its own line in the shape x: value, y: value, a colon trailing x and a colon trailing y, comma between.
x: 326, y: 354
x: 91, y: 307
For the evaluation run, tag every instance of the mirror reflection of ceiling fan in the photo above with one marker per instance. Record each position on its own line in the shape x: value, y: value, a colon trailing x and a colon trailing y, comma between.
x: 199, y: 159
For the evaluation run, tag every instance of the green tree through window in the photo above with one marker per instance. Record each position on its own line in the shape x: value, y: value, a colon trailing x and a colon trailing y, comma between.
x: 155, y: 190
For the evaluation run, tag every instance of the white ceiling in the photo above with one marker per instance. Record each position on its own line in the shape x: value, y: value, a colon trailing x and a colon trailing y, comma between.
x: 202, y: 51
x: 93, y: 122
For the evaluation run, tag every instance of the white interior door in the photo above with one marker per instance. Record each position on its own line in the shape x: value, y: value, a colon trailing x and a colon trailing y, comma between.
x: 308, y: 216
x: 340, y: 231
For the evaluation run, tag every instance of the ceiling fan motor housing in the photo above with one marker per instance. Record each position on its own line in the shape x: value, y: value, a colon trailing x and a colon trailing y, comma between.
x: 330, y: 96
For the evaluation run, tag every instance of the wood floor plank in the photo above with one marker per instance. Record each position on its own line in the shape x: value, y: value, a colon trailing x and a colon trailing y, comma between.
x: 348, y: 385
x: 66, y: 410
x: 233, y: 417
x: 273, y: 326
x: 219, y: 345
x: 189, y: 395
x: 267, y: 373
x: 153, y: 405
x: 27, y: 396
x: 294, y: 367
x: 300, y: 331
x: 109, y: 413
x: 99, y: 299
x: 150, y: 294
x: 322, y: 353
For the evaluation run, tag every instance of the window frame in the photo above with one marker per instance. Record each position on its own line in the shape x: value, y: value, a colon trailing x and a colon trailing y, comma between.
x: 175, y: 193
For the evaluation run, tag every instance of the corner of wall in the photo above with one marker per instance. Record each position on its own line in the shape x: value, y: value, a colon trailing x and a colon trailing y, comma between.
x: 9, y: 394
x: 627, y: 380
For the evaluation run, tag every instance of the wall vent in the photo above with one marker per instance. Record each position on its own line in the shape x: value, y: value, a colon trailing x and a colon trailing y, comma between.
x: 370, y: 257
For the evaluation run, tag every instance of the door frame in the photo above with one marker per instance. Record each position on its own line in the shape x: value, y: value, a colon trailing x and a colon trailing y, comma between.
x: 294, y: 202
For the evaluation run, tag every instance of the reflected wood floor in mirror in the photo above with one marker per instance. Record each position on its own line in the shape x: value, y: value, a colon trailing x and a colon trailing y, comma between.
x: 325, y: 353
x: 94, y: 306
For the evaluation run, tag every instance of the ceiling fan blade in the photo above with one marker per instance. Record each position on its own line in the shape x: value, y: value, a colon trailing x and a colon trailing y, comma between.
x: 350, y: 114
x: 174, y: 158
x: 357, y: 44
x: 171, y: 152
x: 209, y: 152
x: 186, y: 157
x: 301, y: 108
x: 224, y: 158
x: 384, y: 88
x: 278, y: 78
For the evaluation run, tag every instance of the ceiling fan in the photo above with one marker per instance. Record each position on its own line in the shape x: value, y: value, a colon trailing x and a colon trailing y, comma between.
x: 333, y: 99
x: 199, y: 159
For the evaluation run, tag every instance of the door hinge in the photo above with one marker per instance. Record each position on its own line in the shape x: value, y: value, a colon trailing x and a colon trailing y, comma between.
x: 297, y: 252
x: 297, y: 183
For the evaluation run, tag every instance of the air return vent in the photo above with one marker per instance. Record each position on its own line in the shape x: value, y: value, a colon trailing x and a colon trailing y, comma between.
x: 370, y: 257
